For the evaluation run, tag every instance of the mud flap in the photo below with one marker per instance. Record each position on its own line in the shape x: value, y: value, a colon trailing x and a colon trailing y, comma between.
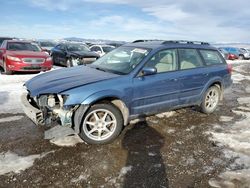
x: 58, y: 132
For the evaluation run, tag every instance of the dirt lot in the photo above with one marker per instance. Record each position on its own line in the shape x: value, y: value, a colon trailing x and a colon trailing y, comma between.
x: 184, y: 148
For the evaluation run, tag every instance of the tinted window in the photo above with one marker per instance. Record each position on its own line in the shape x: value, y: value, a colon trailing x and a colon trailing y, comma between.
x: 164, y: 61
x: 77, y: 47
x: 189, y: 58
x: 211, y: 57
x: 107, y: 49
x: 23, y: 46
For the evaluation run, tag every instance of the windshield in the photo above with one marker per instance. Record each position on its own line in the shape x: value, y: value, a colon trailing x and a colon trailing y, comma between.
x: 77, y: 47
x: 23, y: 46
x: 121, y: 60
x: 47, y: 44
x: 107, y: 49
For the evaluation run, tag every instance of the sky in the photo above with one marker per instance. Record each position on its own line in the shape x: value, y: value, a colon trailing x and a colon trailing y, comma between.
x: 127, y: 20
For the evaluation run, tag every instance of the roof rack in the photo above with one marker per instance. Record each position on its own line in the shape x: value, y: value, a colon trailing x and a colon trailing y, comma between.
x: 145, y: 40
x: 185, y: 42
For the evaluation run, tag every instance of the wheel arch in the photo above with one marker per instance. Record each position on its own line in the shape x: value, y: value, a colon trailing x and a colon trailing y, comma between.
x: 116, y: 101
x: 214, y: 82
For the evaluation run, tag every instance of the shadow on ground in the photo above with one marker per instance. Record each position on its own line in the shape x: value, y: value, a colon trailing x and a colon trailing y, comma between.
x: 144, y: 159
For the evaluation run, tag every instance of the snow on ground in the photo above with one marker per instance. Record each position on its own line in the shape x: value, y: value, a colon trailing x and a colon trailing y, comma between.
x: 11, y: 90
x: 11, y: 162
x: 235, y: 139
x: 67, y: 141
x: 11, y: 118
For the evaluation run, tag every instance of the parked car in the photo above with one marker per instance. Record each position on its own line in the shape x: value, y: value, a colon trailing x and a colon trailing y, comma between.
x: 98, y: 99
x: 227, y: 55
x: 47, y: 45
x: 4, y: 38
x: 237, y: 52
x: 23, y: 56
x: 72, y: 54
x: 101, y: 49
x: 224, y: 53
x: 246, y: 53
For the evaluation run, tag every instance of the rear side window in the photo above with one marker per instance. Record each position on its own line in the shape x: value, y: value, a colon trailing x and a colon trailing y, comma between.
x: 211, y: 57
x: 189, y: 59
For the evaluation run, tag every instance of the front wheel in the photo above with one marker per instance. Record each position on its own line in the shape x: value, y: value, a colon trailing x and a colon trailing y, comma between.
x: 101, y: 124
x: 6, y: 71
x: 210, y: 100
x: 69, y: 62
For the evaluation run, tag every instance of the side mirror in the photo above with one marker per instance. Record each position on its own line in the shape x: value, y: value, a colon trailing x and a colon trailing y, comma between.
x: 148, y: 71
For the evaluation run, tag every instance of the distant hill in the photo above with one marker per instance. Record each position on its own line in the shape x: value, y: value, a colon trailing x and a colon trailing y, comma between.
x: 76, y: 39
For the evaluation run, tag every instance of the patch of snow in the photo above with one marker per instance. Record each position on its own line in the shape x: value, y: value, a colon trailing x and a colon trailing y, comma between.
x: 11, y: 162
x: 124, y: 171
x: 226, y: 118
x: 11, y: 118
x: 83, y: 176
x: 166, y: 114
x: 67, y: 141
x: 236, y: 139
x: 171, y: 131
x: 157, y: 166
x: 151, y: 154
x: 244, y: 100
x: 11, y: 90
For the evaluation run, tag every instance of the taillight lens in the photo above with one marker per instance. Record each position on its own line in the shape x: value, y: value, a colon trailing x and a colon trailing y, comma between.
x: 229, y: 68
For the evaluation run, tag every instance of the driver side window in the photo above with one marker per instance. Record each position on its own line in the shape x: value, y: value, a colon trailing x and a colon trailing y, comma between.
x: 164, y: 61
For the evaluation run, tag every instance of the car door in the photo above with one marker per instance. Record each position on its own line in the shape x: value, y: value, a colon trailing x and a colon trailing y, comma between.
x: 193, y: 78
x: 157, y: 92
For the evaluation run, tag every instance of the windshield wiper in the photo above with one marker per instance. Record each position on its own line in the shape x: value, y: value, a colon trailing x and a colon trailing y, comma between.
x: 101, y: 69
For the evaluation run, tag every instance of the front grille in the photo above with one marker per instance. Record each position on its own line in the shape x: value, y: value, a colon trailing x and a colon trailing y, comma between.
x: 33, y: 60
x: 31, y: 68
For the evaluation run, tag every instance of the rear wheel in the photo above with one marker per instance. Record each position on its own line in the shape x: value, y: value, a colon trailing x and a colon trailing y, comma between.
x: 101, y: 124
x: 211, y: 100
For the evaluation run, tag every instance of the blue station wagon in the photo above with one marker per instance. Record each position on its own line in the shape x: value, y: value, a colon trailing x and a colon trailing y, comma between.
x: 135, y: 80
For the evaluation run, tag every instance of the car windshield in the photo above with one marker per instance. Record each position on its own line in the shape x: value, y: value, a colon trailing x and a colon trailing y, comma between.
x: 47, y: 44
x: 23, y: 46
x: 121, y: 60
x: 107, y: 49
x: 77, y: 47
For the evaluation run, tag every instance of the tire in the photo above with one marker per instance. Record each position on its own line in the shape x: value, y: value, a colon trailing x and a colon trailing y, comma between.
x: 95, y: 129
x: 241, y: 57
x: 6, y: 71
x: 210, y: 100
x: 69, y: 63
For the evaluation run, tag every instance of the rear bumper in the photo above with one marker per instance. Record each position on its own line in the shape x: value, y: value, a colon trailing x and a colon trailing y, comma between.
x: 32, y: 112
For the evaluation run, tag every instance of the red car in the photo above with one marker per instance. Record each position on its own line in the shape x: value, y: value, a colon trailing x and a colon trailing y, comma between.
x: 23, y: 56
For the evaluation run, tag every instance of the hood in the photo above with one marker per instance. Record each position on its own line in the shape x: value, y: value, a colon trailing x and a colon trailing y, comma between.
x: 84, y: 54
x: 57, y: 81
x: 27, y: 54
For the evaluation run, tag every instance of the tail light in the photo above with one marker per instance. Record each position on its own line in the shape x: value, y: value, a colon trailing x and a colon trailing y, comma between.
x: 229, y: 68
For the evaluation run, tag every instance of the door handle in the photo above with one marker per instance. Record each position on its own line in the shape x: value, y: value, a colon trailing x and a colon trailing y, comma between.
x: 205, y: 74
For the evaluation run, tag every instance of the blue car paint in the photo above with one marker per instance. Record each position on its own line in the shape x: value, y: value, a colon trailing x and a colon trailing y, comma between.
x: 65, y: 79
x: 142, y: 95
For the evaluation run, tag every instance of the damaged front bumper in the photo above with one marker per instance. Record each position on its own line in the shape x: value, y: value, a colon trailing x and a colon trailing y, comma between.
x: 35, y: 114
x: 43, y: 114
